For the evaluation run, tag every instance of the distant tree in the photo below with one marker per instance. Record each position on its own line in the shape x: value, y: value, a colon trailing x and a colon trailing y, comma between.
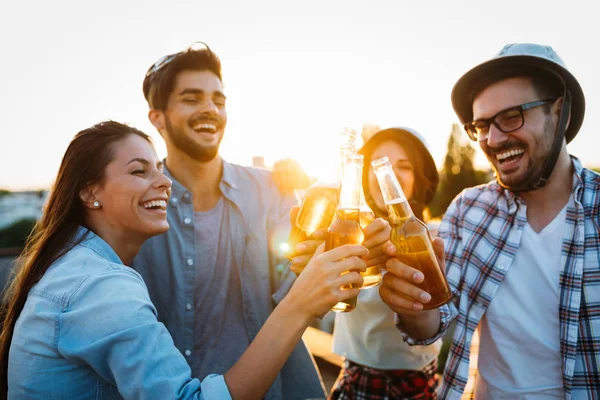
x: 4, y: 192
x: 16, y: 234
x: 457, y: 173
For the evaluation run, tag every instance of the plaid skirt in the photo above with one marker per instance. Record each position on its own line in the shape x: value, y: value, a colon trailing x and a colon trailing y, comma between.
x: 357, y: 382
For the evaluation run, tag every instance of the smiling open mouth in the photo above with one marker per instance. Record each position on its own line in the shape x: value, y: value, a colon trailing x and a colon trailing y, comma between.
x: 205, y: 127
x: 509, y: 155
x: 155, y: 205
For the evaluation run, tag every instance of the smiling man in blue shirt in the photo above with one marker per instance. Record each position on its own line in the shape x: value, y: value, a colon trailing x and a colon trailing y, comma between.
x: 216, y: 275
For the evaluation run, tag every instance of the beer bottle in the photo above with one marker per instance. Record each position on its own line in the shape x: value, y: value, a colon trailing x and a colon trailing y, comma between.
x: 316, y: 212
x: 321, y: 199
x: 372, y: 275
x: 411, y: 237
x: 366, y: 215
x: 345, y: 228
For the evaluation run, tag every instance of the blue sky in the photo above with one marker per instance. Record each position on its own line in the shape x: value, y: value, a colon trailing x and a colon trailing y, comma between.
x: 294, y: 73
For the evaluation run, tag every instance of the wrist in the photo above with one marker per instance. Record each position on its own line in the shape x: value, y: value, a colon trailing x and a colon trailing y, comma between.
x: 295, y: 311
x: 421, y: 326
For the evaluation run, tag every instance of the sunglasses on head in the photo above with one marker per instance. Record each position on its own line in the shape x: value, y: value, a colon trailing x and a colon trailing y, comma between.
x: 165, y: 60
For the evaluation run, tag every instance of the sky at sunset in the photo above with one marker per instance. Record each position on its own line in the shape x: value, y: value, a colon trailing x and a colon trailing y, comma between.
x: 295, y: 73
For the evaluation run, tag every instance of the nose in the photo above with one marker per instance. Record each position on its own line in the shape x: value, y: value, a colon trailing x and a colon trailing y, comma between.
x: 495, y: 136
x: 163, y: 181
x: 210, y: 107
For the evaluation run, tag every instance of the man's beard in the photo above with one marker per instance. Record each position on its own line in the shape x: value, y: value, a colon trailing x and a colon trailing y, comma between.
x: 185, y: 144
x: 538, y: 154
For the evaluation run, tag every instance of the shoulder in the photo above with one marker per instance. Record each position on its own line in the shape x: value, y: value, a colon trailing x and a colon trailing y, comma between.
x: 108, y: 307
x: 250, y: 176
x: 257, y: 187
x: 68, y: 275
x: 591, y: 180
x: 472, y: 206
x: 482, y: 195
x: 590, y: 197
x: 113, y: 295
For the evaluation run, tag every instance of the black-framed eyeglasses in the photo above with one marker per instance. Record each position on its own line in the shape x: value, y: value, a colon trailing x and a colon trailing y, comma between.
x: 165, y: 60
x: 507, y: 120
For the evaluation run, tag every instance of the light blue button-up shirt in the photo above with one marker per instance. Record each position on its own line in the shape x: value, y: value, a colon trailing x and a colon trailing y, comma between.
x: 89, y: 330
x: 258, y: 221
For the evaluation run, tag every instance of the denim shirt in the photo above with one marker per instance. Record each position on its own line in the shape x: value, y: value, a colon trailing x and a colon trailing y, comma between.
x: 259, y: 223
x: 88, y: 330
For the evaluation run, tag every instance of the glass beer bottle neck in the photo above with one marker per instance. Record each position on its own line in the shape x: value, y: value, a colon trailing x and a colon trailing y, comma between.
x: 347, y: 214
x: 399, y: 212
x: 351, y: 183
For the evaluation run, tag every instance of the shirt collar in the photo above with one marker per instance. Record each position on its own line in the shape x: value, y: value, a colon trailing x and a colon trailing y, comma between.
x: 181, y: 193
x: 577, y: 179
x: 228, y: 177
x: 576, y: 190
x: 92, y: 241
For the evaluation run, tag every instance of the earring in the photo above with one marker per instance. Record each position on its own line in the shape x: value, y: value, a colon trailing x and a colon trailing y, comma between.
x: 96, y: 204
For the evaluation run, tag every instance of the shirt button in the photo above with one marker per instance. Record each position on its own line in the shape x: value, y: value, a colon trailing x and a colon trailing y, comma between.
x: 186, y: 195
x: 187, y: 221
x: 190, y: 261
x: 188, y: 353
x: 174, y: 201
x: 500, y: 267
x: 188, y: 306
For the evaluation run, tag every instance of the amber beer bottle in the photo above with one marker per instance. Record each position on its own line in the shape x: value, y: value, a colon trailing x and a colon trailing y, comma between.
x: 316, y: 212
x: 372, y: 275
x: 411, y: 237
x: 345, y: 228
x: 320, y: 201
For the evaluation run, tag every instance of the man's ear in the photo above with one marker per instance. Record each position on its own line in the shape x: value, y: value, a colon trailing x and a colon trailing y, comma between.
x: 158, y: 119
x: 556, y: 109
x: 87, y: 194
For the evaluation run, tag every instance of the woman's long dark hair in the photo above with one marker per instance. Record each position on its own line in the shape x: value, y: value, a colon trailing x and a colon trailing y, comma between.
x: 84, y: 163
x: 426, y: 181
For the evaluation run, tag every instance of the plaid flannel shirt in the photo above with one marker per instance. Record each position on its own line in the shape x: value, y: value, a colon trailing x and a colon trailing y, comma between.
x: 482, y: 230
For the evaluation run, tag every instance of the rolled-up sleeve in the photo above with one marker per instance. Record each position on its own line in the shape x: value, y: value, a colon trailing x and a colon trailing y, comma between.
x: 214, y: 387
x: 447, y: 313
x: 110, y: 324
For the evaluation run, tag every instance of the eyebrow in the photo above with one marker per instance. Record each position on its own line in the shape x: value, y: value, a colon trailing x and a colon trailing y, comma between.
x: 498, y: 113
x: 159, y: 164
x: 199, y: 92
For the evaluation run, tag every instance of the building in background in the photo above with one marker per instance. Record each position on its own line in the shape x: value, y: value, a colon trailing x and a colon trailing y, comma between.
x: 16, y: 206
x: 258, y: 161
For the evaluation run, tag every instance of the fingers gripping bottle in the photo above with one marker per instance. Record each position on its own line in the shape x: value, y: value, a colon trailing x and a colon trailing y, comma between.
x: 345, y: 228
x: 411, y: 237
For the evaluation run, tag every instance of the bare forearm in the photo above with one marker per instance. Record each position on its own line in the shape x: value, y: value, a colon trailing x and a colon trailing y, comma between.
x: 255, y: 371
x: 423, y: 326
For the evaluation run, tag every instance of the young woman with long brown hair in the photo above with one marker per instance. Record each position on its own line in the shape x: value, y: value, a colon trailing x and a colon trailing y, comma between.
x: 78, y: 322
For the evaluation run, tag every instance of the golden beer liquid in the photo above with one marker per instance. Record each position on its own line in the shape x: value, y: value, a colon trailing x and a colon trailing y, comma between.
x: 372, y: 275
x: 344, y: 230
x: 414, y: 248
x: 318, y: 208
x: 316, y: 213
x: 365, y: 217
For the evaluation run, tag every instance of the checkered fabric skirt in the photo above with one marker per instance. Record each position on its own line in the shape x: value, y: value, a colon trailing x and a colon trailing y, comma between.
x: 357, y: 382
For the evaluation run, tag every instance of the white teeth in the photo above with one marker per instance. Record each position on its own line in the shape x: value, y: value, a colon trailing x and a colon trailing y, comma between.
x: 162, y: 204
x: 509, y: 153
x: 211, y: 127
